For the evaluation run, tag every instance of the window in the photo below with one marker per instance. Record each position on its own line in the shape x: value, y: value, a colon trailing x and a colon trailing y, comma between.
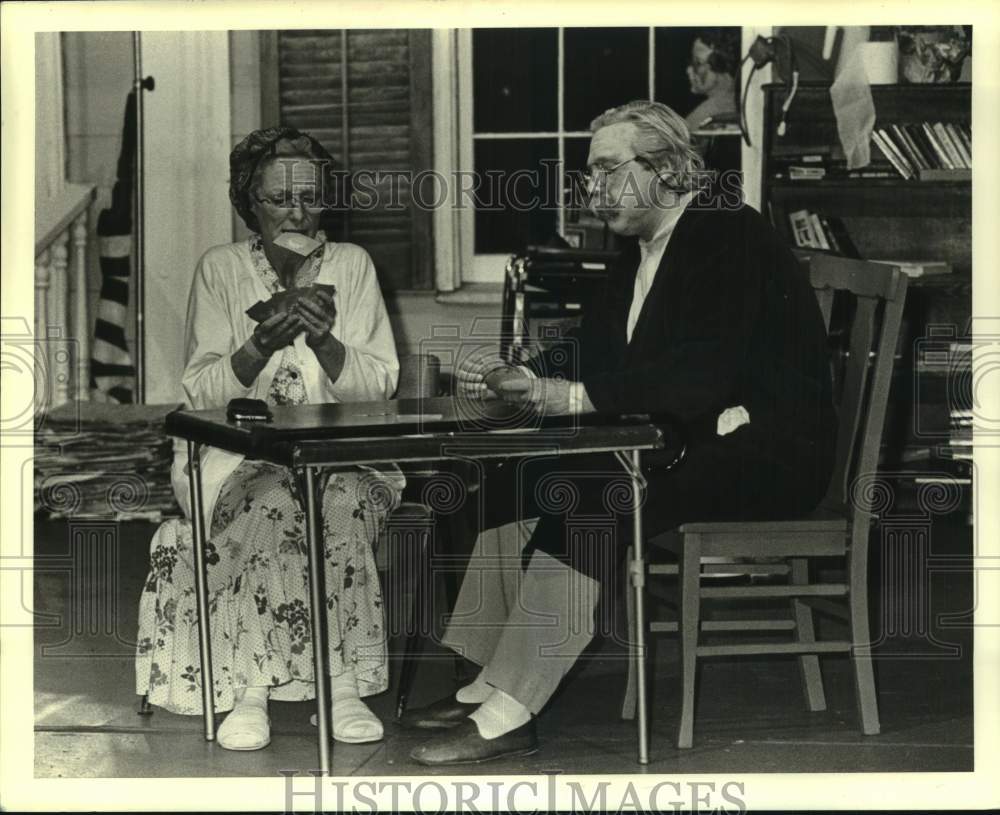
x: 525, y: 100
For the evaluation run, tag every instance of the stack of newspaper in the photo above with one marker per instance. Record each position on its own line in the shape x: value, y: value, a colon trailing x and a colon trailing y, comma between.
x: 96, y: 460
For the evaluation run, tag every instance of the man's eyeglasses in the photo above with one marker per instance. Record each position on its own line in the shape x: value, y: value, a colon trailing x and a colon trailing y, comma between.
x: 289, y: 201
x: 595, y: 174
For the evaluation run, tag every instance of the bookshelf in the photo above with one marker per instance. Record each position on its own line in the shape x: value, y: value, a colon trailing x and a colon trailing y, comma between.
x: 888, y: 217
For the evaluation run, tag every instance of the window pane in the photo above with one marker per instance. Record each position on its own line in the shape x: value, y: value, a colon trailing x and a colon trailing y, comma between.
x: 518, y: 197
x: 576, y: 162
x: 605, y: 67
x: 514, y: 79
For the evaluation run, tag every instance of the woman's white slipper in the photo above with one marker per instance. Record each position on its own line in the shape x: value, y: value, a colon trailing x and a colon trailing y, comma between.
x: 247, y: 727
x: 354, y: 723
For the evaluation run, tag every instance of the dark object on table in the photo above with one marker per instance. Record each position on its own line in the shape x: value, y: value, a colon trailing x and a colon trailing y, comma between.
x: 284, y: 300
x: 248, y: 410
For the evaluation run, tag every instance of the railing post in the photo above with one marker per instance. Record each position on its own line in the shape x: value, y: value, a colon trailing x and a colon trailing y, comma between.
x: 59, y: 341
x: 42, y: 395
x: 81, y: 323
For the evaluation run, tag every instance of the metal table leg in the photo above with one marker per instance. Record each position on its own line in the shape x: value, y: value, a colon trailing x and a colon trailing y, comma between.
x: 317, y: 608
x: 201, y: 588
x: 631, y: 462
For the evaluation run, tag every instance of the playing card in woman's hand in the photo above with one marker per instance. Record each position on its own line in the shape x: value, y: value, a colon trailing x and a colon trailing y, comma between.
x: 283, y: 301
x: 298, y: 243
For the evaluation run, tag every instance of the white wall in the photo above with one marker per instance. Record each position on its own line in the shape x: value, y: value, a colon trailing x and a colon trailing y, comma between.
x: 50, y: 170
x: 244, y: 83
x: 187, y: 210
x: 98, y: 76
x: 753, y: 156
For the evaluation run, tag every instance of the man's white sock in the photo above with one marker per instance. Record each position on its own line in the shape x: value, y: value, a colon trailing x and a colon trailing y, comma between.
x: 499, y: 714
x: 476, y: 693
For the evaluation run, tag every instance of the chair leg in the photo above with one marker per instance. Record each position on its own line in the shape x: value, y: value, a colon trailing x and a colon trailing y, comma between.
x: 864, y: 674
x: 629, y: 700
x: 812, y: 679
x: 689, y: 578
x: 415, y: 638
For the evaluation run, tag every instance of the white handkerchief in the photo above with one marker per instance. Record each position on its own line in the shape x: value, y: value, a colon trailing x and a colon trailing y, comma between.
x: 732, y: 418
x: 851, y: 95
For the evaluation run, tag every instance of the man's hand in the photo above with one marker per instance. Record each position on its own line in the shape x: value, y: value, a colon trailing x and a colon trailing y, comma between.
x: 317, y: 312
x: 276, y: 332
x: 550, y: 397
x: 478, y: 374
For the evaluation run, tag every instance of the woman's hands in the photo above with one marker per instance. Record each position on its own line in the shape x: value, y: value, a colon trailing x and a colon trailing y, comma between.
x: 276, y: 332
x: 316, y: 312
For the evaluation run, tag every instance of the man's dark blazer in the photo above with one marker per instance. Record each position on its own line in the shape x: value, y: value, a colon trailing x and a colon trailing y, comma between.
x: 730, y: 320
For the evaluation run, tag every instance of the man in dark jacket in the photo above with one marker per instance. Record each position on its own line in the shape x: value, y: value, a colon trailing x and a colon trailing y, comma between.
x: 707, y: 318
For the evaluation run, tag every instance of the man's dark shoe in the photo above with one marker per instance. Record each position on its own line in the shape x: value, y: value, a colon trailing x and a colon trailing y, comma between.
x: 463, y: 745
x: 440, y: 715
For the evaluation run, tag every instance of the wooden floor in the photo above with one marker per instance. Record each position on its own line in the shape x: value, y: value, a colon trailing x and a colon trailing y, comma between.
x: 750, y: 717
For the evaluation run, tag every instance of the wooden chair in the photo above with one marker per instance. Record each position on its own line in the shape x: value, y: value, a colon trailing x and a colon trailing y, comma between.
x: 862, y: 375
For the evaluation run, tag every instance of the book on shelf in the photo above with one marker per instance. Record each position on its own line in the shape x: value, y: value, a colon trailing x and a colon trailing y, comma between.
x: 892, y: 153
x: 929, y: 151
x: 945, y: 138
x: 965, y: 138
x: 913, y: 152
x: 797, y: 173
x: 919, y: 138
x: 964, y: 153
x: 802, y: 232
x: 841, y: 238
x: 943, y: 159
x: 818, y: 233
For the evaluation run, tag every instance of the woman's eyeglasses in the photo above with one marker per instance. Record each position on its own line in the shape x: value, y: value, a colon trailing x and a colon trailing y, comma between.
x: 287, y: 201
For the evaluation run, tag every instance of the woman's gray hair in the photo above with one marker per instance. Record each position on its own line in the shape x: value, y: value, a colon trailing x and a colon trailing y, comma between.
x: 249, y: 156
x: 662, y: 140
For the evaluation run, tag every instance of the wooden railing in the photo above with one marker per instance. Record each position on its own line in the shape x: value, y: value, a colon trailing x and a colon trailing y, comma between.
x: 62, y: 324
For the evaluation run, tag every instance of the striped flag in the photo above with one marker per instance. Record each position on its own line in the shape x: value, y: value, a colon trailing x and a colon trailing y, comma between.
x: 111, y: 370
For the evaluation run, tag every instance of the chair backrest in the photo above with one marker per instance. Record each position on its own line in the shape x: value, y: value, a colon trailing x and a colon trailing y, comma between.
x: 863, y: 374
x: 419, y: 376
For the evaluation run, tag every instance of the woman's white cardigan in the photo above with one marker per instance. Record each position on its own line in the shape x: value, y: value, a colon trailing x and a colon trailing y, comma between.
x: 225, y: 286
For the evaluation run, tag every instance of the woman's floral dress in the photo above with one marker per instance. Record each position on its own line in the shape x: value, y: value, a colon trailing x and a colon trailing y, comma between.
x: 258, y: 578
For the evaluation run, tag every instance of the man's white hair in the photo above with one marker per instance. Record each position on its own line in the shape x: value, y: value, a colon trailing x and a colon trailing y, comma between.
x: 662, y: 141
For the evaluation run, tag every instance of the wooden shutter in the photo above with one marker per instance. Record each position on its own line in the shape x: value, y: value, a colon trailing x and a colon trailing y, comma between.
x: 385, y: 77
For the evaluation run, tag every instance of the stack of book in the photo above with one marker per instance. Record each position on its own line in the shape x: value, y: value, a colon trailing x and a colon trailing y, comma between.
x: 960, y: 402
x: 927, y: 151
x: 944, y: 411
x: 104, y: 461
x: 810, y: 230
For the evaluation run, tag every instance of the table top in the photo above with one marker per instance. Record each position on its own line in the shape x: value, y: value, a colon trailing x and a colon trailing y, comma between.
x: 411, y: 430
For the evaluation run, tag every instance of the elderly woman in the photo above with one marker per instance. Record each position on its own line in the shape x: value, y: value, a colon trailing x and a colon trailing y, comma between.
x: 328, y: 347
